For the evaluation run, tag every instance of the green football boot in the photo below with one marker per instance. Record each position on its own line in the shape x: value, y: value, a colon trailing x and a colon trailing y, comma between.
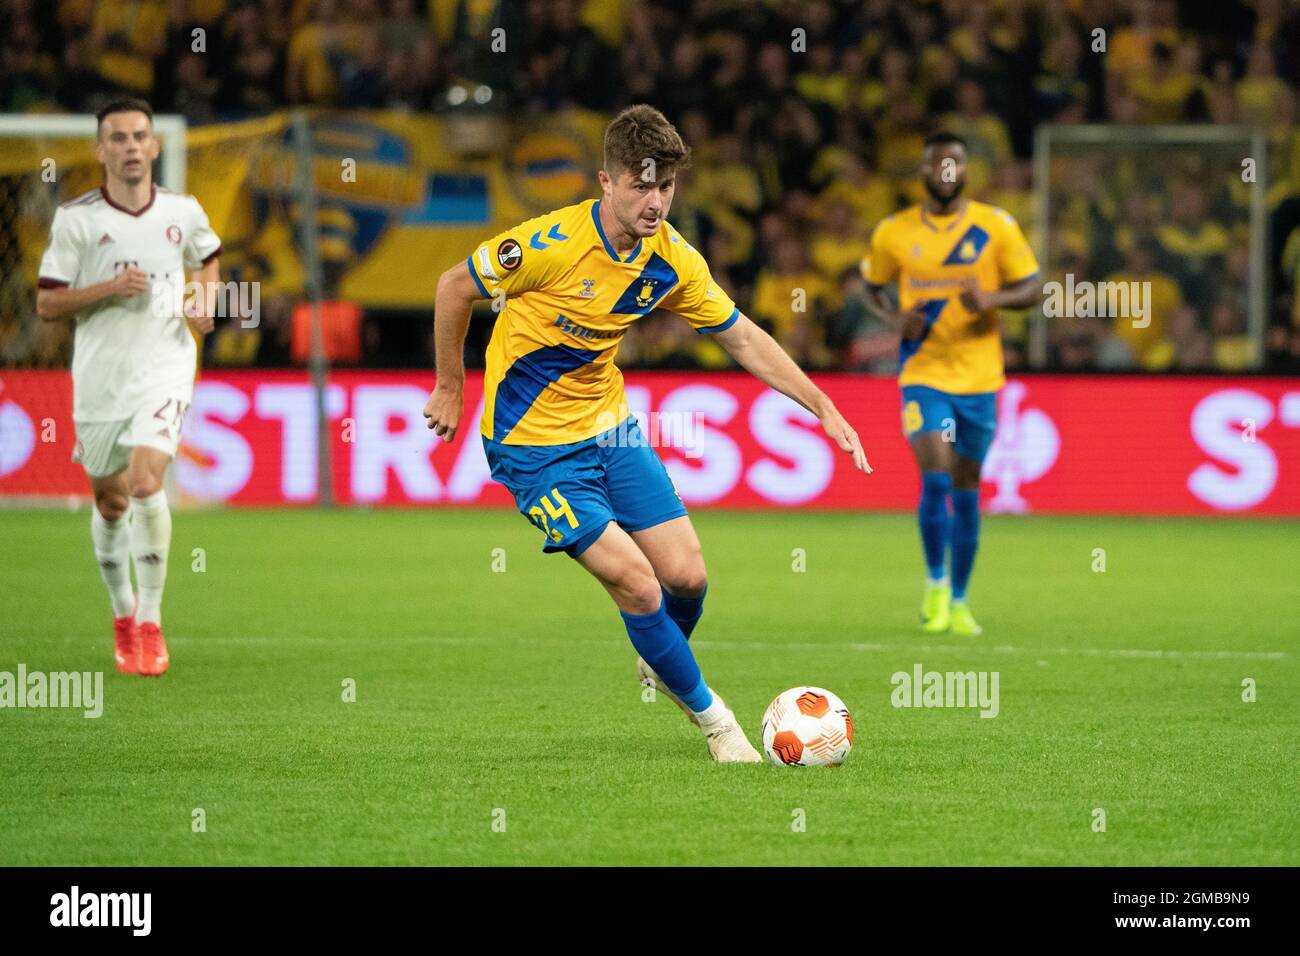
x: 963, y: 622
x: 936, y: 609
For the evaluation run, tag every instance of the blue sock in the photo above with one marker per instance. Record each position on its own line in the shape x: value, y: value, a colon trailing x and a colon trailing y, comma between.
x: 659, y: 640
x: 965, y: 538
x: 685, y: 611
x: 933, y: 517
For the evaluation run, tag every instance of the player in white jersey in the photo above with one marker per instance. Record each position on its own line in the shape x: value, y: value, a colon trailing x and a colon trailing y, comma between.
x: 116, y: 264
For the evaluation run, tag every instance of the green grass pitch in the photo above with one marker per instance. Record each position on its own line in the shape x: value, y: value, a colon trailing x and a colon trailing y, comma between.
x: 480, y: 691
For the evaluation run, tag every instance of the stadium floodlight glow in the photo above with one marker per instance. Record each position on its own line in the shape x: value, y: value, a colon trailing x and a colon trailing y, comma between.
x: 482, y: 94
x: 456, y: 95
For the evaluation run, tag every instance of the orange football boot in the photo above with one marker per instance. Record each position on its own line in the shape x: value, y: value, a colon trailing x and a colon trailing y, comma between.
x: 153, y: 650
x: 126, y: 641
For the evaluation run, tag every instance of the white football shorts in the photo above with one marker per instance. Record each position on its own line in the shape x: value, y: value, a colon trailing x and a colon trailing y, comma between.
x: 104, y: 448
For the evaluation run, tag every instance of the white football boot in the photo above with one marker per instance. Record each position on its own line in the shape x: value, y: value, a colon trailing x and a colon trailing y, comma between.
x: 650, y: 679
x: 727, y: 742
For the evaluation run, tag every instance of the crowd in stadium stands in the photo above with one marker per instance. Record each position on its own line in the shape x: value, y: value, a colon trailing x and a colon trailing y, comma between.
x: 800, y: 148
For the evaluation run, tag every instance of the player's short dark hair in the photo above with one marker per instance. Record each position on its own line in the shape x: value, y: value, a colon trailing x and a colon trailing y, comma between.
x: 944, y: 138
x: 125, y: 104
x: 639, y: 133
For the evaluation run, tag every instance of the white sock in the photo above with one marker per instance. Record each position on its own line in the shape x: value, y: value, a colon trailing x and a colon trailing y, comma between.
x: 113, y: 554
x: 936, y: 582
x: 151, y: 536
x: 711, y: 714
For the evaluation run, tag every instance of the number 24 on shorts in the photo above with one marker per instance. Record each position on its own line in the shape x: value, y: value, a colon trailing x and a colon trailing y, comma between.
x: 539, y: 517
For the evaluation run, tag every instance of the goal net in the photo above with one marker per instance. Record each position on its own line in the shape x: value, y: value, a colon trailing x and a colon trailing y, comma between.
x: 1171, y: 217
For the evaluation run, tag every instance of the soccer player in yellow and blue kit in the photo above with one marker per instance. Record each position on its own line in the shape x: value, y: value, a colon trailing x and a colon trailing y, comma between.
x: 956, y: 263
x: 556, y: 428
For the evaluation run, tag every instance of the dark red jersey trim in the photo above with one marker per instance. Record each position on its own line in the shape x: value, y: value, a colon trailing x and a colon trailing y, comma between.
x: 153, y: 194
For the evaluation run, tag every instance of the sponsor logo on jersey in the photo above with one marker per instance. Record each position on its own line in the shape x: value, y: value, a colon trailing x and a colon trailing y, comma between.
x: 565, y: 324
x: 509, y: 255
x: 105, y: 239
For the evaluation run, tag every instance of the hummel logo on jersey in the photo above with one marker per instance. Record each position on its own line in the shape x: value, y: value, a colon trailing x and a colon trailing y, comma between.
x: 105, y: 239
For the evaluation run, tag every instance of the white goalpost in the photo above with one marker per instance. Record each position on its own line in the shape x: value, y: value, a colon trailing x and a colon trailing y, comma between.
x: 169, y: 127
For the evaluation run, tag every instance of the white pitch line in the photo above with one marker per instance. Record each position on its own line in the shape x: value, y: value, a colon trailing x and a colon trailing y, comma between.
x: 1002, y: 649
x: 1132, y: 653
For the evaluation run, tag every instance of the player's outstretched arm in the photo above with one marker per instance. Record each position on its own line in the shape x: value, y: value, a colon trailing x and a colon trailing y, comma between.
x: 59, y: 303
x: 760, y: 355
x: 457, y: 291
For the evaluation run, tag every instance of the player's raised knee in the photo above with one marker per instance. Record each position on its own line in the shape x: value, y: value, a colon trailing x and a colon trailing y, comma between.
x: 111, y: 505
x: 637, y: 590
x: 687, y: 579
x: 142, y: 486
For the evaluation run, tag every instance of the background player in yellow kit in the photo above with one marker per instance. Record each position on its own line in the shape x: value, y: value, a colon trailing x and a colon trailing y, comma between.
x: 556, y: 428
x: 956, y: 263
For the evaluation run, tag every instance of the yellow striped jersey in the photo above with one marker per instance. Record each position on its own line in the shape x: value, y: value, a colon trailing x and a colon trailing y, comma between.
x: 551, y: 377
x: 933, y: 258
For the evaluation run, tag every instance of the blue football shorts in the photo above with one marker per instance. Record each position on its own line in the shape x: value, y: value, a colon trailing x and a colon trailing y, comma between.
x: 972, y: 418
x: 572, y: 492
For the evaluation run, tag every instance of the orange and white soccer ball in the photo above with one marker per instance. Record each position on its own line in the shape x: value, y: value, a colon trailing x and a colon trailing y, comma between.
x: 807, y: 727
